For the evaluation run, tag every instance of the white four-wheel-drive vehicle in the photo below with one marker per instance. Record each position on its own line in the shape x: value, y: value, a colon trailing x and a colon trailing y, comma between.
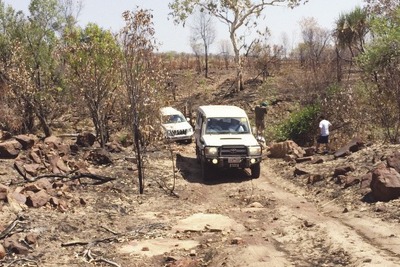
x: 224, y: 139
x: 175, y: 126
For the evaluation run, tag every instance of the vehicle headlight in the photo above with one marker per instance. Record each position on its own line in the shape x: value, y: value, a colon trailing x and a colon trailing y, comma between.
x: 190, y: 130
x: 254, y: 150
x: 211, y: 151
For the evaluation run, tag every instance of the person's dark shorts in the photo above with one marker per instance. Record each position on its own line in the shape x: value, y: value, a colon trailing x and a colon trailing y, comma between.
x: 323, y: 139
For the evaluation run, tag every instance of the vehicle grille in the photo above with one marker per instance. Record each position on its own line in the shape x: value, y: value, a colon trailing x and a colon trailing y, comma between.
x: 177, y: 132
x: 233, y: 151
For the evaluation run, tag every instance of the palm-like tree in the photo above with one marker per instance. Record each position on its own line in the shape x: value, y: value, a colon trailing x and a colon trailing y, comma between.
x: 350, y: 34
x: 351, y: 30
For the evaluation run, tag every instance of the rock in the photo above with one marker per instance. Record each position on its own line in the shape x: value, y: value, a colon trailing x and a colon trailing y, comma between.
x: 32, y: 169
x: 280, y: 150
x: 256, y: 205
x: 237, y: 241
x: 365, y: 180
x: 312, y: 179
x: 317, y: 161
x: 350, y: 181
x: 12, y: 244
x: 303, y: 159
x: 353, y: 146
x: 38, y: 199
x: 342, y: 170
x: 298, y: 172
x: 34, y: 155
x: 16, y: 201
x: 3, y: 192
x: 3, y: 252
x: 100, y: 157
x: 31, y: 238
x: 10, y: 149
x: 393, y: 161
x: 385, y: 184
x: 52, y: 141
x: 308, y: 224
x: 26, y: 140
x: 310, y: 151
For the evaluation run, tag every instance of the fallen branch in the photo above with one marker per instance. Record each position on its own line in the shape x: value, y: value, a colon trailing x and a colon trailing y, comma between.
x: 23, y: 260
x: 107, y: 261
x: 91, y: 243
x: 70, y: 176
x: 10, y: 227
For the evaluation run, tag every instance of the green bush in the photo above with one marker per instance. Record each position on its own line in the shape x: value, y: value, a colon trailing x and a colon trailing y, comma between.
x: 300, y: 126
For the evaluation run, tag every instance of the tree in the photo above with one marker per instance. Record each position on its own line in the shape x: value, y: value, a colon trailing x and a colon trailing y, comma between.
x: 32, y: 70
x: 203, y: 29
x: 225, y: 51
x: 351, y: 30
x: 350, y: 34
x: 380, y: 62
x: 315, y: 40
x: 93, y: 57
x: 196, y: 48
x: 236, y: 14
x: 143, y: 81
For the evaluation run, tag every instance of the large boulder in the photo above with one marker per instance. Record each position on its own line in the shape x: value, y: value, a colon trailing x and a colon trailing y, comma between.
x: 280, y: 150
x: 385, y: 184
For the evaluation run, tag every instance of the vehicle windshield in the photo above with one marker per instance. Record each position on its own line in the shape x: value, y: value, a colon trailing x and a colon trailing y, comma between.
x: 227, y: 126
x: 175, y: 118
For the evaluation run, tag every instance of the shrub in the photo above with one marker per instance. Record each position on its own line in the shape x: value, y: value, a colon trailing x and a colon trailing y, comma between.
x: 300, y: 126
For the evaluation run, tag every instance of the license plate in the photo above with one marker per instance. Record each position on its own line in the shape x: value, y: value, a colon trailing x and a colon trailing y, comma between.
x: 235, y: 165
x: 234, y: 160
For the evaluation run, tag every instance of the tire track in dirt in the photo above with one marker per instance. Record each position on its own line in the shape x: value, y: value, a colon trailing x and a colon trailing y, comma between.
x: 336, y: 233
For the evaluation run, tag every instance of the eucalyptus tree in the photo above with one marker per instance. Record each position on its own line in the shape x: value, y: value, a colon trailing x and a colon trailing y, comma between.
x: 144, y: 82
x: 238, y: 15
x: 93, y: 56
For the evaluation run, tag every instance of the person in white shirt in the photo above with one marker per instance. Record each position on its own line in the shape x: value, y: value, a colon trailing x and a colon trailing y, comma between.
x: 324, y: 134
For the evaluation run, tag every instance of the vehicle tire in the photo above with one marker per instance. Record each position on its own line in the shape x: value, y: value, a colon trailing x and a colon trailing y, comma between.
x: 198, y: 154
x: 255, y: 170
x: 205, y: 171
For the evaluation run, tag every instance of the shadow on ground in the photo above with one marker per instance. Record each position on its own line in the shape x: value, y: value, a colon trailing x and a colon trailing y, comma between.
x: 191, y: 172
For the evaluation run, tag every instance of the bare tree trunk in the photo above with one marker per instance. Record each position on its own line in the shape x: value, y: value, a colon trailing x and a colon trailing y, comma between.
x: 206, y: 60
x: 139, y: 159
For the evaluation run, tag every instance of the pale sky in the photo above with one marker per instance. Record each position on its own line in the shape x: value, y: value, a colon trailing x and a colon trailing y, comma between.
x: 107, y: 14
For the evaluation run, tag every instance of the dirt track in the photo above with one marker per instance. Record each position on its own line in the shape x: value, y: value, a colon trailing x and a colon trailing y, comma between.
x: 233, y: 221
x: 289, y: 230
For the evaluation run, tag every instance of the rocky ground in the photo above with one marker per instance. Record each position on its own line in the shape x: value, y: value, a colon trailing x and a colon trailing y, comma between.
x: 295, y: 214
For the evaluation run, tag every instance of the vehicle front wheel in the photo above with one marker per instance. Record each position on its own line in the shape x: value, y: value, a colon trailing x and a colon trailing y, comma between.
x: 205, y: 171
x: 255, y: 170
